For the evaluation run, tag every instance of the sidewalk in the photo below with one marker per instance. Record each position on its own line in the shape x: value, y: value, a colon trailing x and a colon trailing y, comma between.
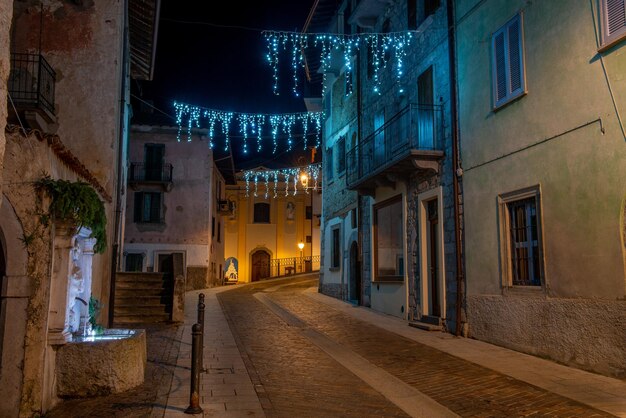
x: 227, y: 389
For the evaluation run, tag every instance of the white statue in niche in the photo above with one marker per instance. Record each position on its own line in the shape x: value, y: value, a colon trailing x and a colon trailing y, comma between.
x: 79, y: 284
x: 75, y: 287
x: 291, y: 211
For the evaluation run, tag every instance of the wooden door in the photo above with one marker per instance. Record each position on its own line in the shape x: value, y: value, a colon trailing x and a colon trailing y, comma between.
x: 260, y: 265
x: 433, y: 262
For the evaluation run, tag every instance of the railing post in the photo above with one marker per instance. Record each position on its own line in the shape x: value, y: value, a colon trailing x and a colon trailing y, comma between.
x: 194, y: 392
x: 201, y: 307
x: 294, y: 266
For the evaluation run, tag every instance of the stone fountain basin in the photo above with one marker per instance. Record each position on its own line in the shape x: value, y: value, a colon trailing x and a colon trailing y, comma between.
x: 112, y: 362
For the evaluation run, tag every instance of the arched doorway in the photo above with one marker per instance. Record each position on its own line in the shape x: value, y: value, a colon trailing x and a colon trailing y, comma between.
x: 355, y: 273
x: 13, y: 309
x: 260, y: 265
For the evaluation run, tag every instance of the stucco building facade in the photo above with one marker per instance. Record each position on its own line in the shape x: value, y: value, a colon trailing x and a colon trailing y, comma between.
x: 542, y: 94
x: 267, y: 224
x: 173, y: 206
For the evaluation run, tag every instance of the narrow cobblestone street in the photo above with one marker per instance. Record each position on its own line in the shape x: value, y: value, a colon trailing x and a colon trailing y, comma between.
x: 277, y: 348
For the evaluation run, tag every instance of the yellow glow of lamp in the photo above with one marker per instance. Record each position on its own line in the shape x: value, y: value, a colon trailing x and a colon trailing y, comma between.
x: 301, y: 245
x: 304, y: 179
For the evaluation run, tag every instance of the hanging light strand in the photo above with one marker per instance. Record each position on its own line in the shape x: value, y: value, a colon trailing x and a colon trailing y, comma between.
x: 257, y: 125
x: 381, y: 45
x: 291, y: 177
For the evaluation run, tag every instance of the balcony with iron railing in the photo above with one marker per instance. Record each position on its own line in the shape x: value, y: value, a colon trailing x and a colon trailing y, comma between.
x: 411, y: 140
x: 31, y: 85
x: 141, y: 173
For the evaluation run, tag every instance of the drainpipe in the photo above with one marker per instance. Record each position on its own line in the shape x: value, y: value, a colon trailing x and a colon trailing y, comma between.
x: 456, y: 167
x: 117, y: 235
x: 359, y: 121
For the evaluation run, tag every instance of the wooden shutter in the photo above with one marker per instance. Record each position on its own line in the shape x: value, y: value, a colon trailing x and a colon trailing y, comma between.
x: 508, y: 61
x: 138, y: 207
x: 155, y: 207
x: 515, y: 56
x: 499, y: 66
x: 614, y: 20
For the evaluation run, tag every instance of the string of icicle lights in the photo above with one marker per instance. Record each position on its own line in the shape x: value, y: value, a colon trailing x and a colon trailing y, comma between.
x: 251, y: 126
x: 292, y: 178
x: 383, y: 48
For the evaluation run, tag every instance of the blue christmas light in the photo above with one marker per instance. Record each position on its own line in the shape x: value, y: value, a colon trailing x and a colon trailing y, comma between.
x: 255, y: 124
x: 288, y: 176
x: 381, y: 45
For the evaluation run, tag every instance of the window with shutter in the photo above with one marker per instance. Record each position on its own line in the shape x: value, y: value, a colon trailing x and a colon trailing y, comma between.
x: 147, y: 207
x: 613, y: 24
x: 507, y: 46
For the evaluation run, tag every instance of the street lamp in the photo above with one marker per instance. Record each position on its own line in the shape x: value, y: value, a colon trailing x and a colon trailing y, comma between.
x: 301, y: 246
x: 304, y: 180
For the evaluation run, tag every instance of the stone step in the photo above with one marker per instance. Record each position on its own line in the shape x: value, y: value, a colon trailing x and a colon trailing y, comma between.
x: 141, y: 310
x: 425, y: 326
x: 139, y: 319
x: 135, y: 293
x: 142, y: 300
x: 126, y: 279
x: 142, y: 285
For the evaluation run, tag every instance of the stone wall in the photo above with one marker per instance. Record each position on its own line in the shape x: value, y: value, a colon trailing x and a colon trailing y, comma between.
x: 196, y: 278
x: 6, y: 14
x: 334, y: 289
x: 25, y: 160
x: 429, y: 49
x: 563, y: 330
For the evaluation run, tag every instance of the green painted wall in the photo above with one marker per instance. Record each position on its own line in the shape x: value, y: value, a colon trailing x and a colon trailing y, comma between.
x: 581, y: 171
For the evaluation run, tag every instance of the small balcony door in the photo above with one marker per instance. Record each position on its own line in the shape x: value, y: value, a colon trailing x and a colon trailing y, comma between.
x: 425, y: 110
x: 154, y: 155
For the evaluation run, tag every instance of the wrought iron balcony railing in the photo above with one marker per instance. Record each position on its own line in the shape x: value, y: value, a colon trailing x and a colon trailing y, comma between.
x: 140, y: 172
x: 415, y: 128
x: 31, y: 82
x: 277, y: 267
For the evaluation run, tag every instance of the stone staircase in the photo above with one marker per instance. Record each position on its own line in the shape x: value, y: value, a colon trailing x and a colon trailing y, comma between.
x: 142, y: 298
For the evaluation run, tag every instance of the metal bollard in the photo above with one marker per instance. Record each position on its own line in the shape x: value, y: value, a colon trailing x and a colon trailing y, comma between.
x: 201, y: 307
x: 194, y: 393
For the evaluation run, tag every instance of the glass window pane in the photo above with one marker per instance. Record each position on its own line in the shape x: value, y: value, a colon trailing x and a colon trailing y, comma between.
x: 389, y: 244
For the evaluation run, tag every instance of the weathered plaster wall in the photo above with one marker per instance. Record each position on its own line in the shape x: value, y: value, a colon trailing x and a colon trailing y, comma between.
x: 561, y: 329
x: 186, y: 206
x: 83, y: 44
x: 6, y: 14
x: 552, y: 137
x: 25, y: 160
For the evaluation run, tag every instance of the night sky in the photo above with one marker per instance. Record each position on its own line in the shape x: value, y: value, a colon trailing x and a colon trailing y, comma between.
x: 211, y: 65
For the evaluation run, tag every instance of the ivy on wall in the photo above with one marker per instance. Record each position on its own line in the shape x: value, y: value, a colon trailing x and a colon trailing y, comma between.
x: 78, y: 203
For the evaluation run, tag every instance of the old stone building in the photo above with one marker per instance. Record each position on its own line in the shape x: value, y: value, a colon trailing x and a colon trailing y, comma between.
x: 173, y: 206
x: 70, y: 64
x: 389, y: 139
x: 541, y: 94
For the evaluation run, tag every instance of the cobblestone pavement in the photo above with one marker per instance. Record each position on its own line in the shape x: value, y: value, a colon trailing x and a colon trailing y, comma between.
x: 300, y: 380
x: 293, y: 377
x: 279, y: 349
x: 163, y: 341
